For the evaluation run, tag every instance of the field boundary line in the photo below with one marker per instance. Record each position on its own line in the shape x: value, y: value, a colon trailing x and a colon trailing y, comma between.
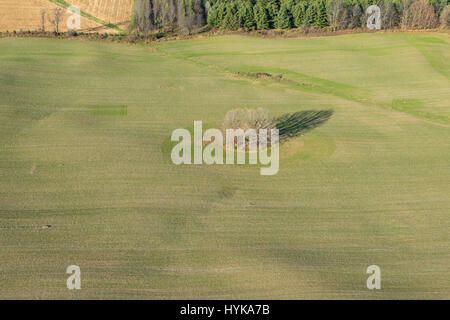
x: 89, y: 16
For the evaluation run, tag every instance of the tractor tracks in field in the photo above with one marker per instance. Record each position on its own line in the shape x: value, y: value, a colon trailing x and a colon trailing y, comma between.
x: 306, y: 84
x: 65, y: 5
x: 434, y: 62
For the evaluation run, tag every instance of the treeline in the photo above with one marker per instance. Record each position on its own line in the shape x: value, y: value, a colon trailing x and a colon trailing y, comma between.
x: 151, y: 15
x: 191, y: 15
x: 336, y: 14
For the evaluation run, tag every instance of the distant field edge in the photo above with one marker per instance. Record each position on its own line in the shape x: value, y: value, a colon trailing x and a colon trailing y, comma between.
x: 66, y: 5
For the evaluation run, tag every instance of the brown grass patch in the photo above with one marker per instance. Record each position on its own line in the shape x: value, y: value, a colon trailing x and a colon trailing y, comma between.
x: 291, y: 147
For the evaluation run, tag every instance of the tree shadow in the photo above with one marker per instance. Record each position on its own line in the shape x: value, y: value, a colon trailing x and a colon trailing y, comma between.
x: 295, y: 124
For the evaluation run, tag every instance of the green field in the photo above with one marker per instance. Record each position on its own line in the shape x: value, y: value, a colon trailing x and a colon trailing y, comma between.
x: 83, y: 138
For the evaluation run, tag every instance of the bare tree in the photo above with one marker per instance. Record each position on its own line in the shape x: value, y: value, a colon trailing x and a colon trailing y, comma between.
x: 246, y: 119
x: 148, y: 18
x: 149, y: 15
x: 337, y: 15
x: 191, y: 15
x: 444, y: 18
x: 43, y: 13
x: 389, y: 18
x: 403, y: 5
x: 57, y: 16
x: 182, y: 15
x: 355, y: 17
x: 199, y: 13
x: 419, y: 15
x: 173, y: 11
x: 137, y: 15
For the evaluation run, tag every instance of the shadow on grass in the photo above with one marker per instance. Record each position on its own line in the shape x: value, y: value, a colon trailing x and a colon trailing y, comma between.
x: 297, y: 123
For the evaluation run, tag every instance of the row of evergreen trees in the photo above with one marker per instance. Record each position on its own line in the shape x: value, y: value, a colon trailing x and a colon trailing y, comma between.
x: 191, y: 15
x: 285, y: 14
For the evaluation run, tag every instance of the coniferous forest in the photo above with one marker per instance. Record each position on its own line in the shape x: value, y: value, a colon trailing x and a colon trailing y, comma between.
x: 192, y: 15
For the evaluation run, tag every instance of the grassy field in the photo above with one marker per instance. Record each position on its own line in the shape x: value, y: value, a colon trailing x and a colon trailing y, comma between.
x: 371, y: 186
